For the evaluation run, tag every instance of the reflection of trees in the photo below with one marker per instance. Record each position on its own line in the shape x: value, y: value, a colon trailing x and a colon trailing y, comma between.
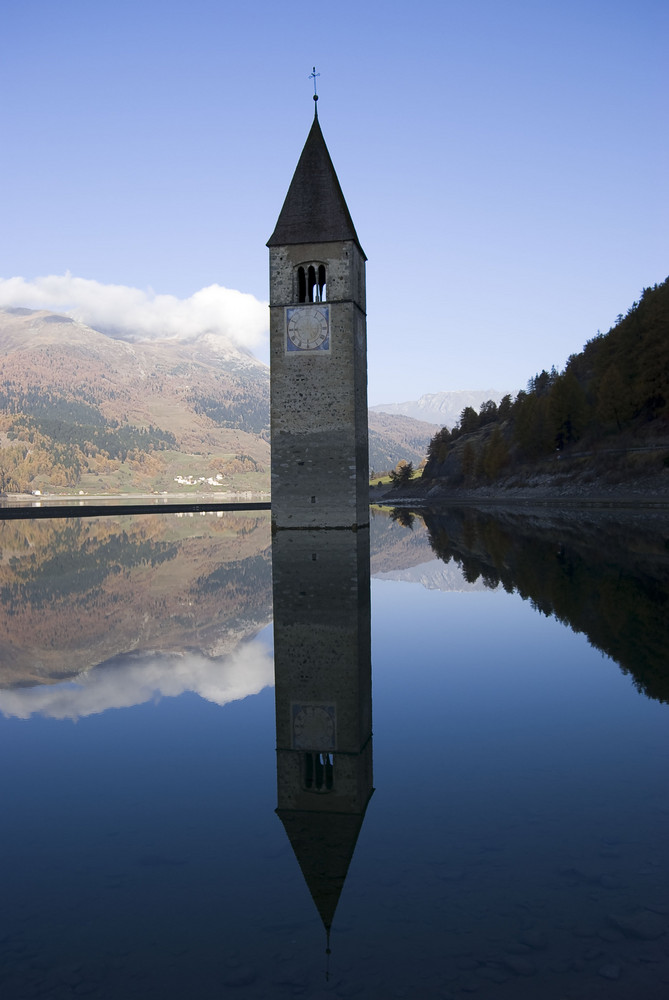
x: 392, y: 547
x: 403, y: 517
x: 77, y: 573
x: 603, y: 574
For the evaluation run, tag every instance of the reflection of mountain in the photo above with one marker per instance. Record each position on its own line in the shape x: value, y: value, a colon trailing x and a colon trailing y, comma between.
x: 605, y: 574
x: 76, y: 593
x: 433, y: 575
x: 392, y: 546
x: 398, y: 554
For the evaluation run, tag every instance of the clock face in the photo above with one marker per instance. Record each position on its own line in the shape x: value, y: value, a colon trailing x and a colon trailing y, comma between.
x: 314, y: 727
x: 308, y: 328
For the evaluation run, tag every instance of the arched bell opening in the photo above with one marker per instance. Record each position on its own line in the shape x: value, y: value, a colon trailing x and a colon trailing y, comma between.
x: 311, y: 283
x: 318, y: 772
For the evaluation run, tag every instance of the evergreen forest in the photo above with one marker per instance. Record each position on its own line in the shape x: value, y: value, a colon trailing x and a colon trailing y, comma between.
x: 49, y: 434
x: 608, y: 408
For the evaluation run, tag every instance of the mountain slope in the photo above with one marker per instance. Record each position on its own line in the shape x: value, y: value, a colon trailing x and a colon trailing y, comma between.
x: 394, y: 437
x: 82, y: 411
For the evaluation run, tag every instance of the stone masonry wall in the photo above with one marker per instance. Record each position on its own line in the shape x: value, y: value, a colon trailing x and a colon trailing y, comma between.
x: 319, y: 398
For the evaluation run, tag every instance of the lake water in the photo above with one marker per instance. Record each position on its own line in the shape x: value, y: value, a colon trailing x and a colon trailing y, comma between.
x: 176, y: 823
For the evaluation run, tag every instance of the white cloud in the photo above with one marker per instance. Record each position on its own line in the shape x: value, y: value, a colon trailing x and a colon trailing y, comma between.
x: 138, y: 314
x: 127, y: 681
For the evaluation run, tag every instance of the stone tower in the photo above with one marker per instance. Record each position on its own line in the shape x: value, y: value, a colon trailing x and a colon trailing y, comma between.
x: 318, y: 353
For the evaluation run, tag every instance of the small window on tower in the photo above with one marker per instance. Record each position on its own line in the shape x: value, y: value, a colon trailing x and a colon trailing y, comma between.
x: 322, y: 286
x: 301, y: 285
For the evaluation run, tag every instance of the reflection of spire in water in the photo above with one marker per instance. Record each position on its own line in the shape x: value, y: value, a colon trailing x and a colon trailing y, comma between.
x: 324, y: 846
x: 323, y: 701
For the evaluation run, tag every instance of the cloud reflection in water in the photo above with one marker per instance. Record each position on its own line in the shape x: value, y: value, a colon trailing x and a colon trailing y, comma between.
x: 135, y: 679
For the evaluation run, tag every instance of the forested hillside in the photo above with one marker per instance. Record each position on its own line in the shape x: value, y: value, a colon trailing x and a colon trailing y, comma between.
x: 81, y: 411
x: 606, y: 416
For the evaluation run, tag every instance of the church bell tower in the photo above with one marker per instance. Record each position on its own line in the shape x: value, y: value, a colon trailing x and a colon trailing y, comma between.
x: 318, y: 352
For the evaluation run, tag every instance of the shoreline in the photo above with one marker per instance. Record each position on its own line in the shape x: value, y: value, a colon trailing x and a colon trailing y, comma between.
x: 92, y: 507
x: 17, y: 505
x: 230, y: 496
x: 623, y: 495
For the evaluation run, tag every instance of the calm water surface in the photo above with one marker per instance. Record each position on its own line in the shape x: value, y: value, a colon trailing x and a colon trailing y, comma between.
x: 514, y: 845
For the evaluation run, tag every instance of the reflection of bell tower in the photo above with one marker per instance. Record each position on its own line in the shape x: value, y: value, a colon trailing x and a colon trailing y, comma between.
x: 323, y: 701
x: 318, y: 352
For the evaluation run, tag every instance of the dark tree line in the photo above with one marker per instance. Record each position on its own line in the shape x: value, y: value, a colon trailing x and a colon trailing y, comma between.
x: 618, y: 382
x: 247, y: 412
x: 115, y: 440
x: 36, y: 402
x: 80, y: 572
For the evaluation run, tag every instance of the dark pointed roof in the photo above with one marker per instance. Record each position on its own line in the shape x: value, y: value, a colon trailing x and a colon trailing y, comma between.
x: 314, y: 210
x: 323, y: 844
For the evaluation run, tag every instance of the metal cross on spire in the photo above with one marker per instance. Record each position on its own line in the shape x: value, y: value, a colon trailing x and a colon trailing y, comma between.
x: 312, y: 76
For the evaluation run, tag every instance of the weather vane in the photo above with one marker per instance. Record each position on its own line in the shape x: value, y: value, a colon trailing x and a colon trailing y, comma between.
x: 312, y: 76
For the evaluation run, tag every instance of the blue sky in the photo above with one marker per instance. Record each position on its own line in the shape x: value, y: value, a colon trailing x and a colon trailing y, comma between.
x: 505, y: 162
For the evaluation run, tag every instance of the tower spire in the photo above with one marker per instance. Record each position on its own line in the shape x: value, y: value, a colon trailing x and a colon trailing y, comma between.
x: 314, y: 210
x: 312, y: 76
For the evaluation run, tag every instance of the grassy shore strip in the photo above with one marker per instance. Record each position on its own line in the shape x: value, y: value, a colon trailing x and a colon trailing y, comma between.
x: 105, y: 510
